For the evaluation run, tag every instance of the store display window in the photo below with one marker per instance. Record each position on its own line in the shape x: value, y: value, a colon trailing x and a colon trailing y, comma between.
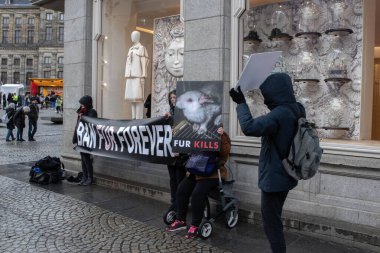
x: 322, y: 45
x: 139, y: 51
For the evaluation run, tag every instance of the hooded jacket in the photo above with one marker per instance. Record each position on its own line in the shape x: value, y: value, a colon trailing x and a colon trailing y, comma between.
x: 90, y: 112
x: 277, y: 129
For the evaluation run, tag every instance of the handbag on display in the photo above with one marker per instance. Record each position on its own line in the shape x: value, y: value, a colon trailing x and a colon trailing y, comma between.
x: 201, y: 164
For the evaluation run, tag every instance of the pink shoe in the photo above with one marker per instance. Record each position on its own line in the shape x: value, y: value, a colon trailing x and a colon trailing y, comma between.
x: 192, y: 232
x: 176, y: 226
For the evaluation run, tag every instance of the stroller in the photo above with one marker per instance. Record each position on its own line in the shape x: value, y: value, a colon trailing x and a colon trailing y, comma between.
x: 226, y: 202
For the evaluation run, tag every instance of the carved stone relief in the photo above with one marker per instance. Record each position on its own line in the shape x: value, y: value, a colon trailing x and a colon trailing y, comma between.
x: 330, y: 104
x: 168, y: 50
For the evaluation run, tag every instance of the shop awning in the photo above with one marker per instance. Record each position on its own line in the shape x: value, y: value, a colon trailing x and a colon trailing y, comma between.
x: 47, y: 81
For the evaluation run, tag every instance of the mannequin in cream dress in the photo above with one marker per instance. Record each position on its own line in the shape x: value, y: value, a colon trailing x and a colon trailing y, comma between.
x: 135, y: 74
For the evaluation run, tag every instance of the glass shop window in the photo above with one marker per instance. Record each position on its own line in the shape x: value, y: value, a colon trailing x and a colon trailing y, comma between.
x: 149, y: 46
x: 322, y: 52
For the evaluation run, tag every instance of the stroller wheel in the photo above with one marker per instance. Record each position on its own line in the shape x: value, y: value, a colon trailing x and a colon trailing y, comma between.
x: 169, y: 217
x: 231, y: 217
x: 205, y: 229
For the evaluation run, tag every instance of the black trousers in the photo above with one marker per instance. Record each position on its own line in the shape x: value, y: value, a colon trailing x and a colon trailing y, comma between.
x: 271, y: 211
x: 87, y: 168
x: 198, y: 190
x: 32, y: 129
x: 176, y: 174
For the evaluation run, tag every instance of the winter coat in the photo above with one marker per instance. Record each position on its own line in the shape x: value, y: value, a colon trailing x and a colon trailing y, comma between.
x: 278, y: 127
x: 11, y: 114
x: 223, y: 155
x: 33, y: 114
x: 19, y: 118
x: 90, y: 112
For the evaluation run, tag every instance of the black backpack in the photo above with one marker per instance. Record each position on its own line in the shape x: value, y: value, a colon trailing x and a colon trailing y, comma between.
x: 47, y: 170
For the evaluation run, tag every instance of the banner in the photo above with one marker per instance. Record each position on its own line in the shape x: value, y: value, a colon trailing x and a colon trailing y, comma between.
x: 146, y: 140
x: 197, y: 116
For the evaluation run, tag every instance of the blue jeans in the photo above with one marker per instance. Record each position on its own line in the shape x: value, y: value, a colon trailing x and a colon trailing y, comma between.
x: 9, y: 134
x: 19, y: 133
x: 32, y: 129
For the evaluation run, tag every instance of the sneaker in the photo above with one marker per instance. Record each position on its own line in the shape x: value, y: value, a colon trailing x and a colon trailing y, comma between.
x: 7, y: 140
x: 87, y: 182
x: 192, y: 232
x: 82, y: 181
x: 176, y: 226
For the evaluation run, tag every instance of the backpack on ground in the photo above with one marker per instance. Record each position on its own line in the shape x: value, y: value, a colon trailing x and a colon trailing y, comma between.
x: 305, y: 152
x: 47, y: 170
x: 5, y: 119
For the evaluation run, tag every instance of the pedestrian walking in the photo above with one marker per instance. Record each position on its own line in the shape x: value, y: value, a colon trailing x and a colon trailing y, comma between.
x: 19, y: 120
x: 85, y: 109
x: 277, y: 129
x: 4, y: 101
x: 58, y: 104
x: 10, y: 98
x: 33, y: 117
x: 10, y: 111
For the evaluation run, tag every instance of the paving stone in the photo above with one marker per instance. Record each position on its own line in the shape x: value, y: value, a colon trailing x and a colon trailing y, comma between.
x: 54, y: 223
x: 39, y: 219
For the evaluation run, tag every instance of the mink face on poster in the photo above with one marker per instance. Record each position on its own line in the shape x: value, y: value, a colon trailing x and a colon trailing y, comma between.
x: 197, y: 117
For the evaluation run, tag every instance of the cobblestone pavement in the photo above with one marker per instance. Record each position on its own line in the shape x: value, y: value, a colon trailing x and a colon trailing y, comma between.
x: 38, y: 220
x: 68, y: 218
x: 49, y: 138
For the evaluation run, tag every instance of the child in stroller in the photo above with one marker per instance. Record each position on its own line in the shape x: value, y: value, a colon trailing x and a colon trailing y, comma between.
x: 198, y: 188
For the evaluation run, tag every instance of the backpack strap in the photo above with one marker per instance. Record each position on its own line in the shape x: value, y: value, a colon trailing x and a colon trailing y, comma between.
x: 291, y: 146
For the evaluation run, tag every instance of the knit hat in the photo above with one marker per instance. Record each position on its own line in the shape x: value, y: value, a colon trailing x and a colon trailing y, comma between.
x: 86, y: 101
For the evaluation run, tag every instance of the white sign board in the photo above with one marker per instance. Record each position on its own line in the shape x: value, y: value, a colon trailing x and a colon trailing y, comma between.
x: 257, y: 69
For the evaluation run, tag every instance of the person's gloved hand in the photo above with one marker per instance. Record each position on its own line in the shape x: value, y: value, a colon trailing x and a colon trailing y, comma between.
x: 237, y: 96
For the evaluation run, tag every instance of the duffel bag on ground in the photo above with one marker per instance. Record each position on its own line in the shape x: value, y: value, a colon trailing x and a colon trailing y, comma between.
x: 47, y: 170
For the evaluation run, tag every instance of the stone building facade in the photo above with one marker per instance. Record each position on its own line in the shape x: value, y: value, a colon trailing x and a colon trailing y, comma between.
x: 31, y: 42
x: 341, y: 202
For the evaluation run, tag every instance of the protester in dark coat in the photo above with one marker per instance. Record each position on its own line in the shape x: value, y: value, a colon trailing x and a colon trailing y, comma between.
x: 10, y: 111
x: 277, y: 128
x: 147, y: 105
x: 177, y: 171
x: 19, y: 120
x: 85, y: 109
x: 33, y: 117
x: 198, y: 188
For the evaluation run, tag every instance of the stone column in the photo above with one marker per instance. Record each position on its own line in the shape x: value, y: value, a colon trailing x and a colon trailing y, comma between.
x: 207, y: 44
x: 77, y: 69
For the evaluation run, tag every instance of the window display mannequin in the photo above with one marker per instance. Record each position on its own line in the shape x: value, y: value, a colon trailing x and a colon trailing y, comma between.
x: 135, y: 74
